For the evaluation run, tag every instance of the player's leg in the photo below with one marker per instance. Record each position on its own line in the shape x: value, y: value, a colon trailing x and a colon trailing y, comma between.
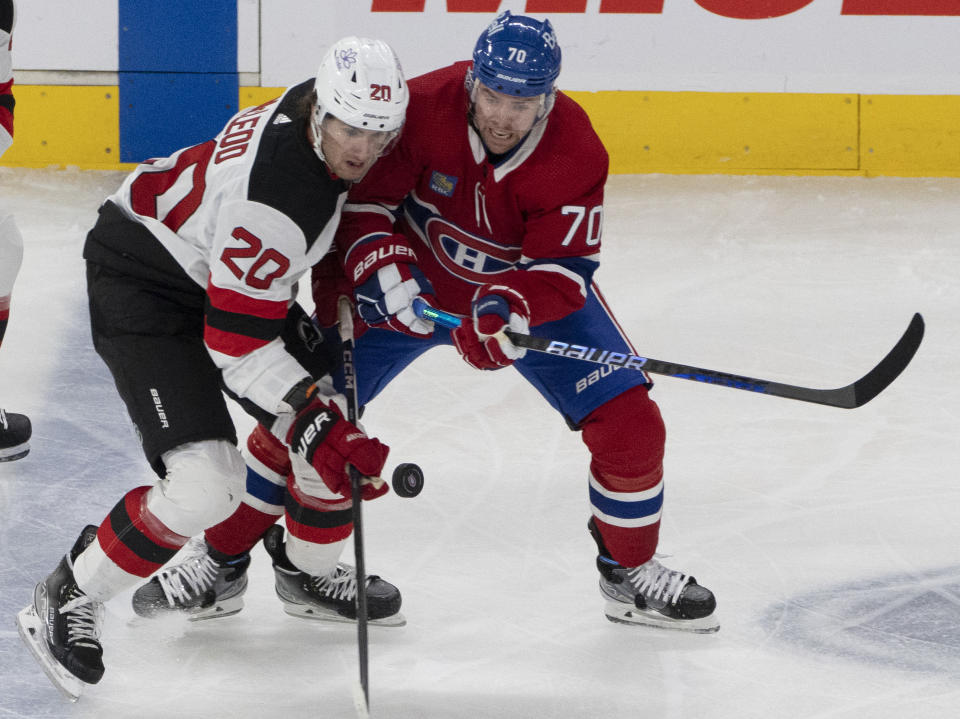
x: 622, y: 427
x: 210, y: 580
x: 310, y: 579
x: 150, y: 338
x: 15, y: 429
x: 625, y: 437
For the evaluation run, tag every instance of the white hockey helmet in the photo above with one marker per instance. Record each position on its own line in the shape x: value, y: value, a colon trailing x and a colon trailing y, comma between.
x: 360, y: 82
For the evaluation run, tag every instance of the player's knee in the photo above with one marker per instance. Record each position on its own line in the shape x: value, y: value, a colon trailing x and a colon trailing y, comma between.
x: 203, y: 486
x: 626, y: 438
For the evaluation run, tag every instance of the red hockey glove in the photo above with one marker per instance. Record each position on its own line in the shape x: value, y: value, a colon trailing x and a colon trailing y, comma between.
x: 327, y: 441
x: 481, y: 342
x: 386, y: 280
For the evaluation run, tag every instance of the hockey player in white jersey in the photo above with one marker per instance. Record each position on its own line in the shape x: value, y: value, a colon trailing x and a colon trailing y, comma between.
x: 192, y: 271
x: 15, y: 428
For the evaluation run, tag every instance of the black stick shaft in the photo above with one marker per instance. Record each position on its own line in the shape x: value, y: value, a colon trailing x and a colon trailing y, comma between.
x: 362, y: 642
x: 345, y: 312
x: 852, y: 395
x: 848, y: 397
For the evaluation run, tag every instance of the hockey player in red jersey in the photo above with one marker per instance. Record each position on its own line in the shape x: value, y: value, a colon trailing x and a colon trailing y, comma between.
x: 498, y: 181
x: 14, y: 428
x: 192, y: 271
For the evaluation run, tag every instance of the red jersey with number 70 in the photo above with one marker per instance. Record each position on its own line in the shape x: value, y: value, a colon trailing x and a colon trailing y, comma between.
x: 530, y: 220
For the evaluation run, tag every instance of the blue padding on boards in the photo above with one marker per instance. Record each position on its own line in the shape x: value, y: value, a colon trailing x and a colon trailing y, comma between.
x: 160, y: 113
x: 178, y: 36
x: 178, y: 74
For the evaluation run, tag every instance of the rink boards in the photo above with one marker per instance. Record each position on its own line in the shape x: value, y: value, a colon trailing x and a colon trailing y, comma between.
x: 670, y: 132
x: 864, y: 87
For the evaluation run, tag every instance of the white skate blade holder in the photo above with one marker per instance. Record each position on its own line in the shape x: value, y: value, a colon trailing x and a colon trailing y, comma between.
x: 31, y: 632
x: 315, y: 614
x: 622, y: 613
x: 219, y: 610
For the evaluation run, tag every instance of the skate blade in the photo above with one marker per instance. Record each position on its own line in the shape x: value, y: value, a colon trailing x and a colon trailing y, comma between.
x: 620, y: 613
x: 219, y: 610
x: 14, y: 453
x: 322, y: 615
x: 226, y: 608
x: 31, y: 632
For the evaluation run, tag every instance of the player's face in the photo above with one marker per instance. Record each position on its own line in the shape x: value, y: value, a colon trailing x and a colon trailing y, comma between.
x: 351, y: 151
x: 503, y: 120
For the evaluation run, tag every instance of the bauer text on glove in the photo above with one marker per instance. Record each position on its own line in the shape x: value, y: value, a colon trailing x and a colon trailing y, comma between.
x: 321, y: 436
x: 386, y: 280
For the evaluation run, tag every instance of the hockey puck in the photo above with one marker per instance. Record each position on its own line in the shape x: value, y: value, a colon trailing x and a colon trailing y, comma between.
x: 407, y: 480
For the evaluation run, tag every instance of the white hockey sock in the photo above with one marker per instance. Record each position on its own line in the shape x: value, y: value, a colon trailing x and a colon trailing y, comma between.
x: 317, y: 560
x: 98, y: 576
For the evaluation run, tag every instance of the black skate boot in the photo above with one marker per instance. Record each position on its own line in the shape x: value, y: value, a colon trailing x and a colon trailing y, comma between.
x: 15, y: 431
x: 207, y: 584
x: 62, y: 626
x: 330, y: 598
x: 653, y: 595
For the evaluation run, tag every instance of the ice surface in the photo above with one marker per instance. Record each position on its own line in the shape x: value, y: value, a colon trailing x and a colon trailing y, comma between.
x: 829, y: 536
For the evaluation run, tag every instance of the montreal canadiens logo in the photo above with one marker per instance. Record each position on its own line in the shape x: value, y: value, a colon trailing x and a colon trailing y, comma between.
x: 466, y: 255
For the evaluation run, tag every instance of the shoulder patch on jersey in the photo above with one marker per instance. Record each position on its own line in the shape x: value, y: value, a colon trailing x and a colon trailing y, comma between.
x: 443, y: 184
x: 281, y: 119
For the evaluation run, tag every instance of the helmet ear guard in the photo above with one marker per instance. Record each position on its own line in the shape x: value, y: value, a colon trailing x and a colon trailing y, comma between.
x: 360, y: 82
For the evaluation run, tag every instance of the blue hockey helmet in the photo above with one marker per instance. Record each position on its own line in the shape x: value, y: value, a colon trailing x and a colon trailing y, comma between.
x: 517, y: 55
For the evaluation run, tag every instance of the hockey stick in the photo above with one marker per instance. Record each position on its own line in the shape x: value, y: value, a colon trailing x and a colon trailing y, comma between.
x: 345, y: 312
x: 847, y: 397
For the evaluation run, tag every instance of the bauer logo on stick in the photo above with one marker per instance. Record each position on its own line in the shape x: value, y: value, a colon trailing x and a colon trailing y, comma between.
x: 592, y: 354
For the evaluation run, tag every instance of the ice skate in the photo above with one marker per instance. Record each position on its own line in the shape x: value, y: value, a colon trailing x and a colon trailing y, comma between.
x: 330, y: 598
x: 654, y: 595
x: 15, y: 431
x: 204, y: 585
x: 62, y: 627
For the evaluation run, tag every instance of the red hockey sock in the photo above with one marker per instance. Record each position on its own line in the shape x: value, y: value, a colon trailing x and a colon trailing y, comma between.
x: 268, y: 464
x: 317, y: 521
x: 134, y: 539
x: 626, y: 439
x: 240, y: 532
